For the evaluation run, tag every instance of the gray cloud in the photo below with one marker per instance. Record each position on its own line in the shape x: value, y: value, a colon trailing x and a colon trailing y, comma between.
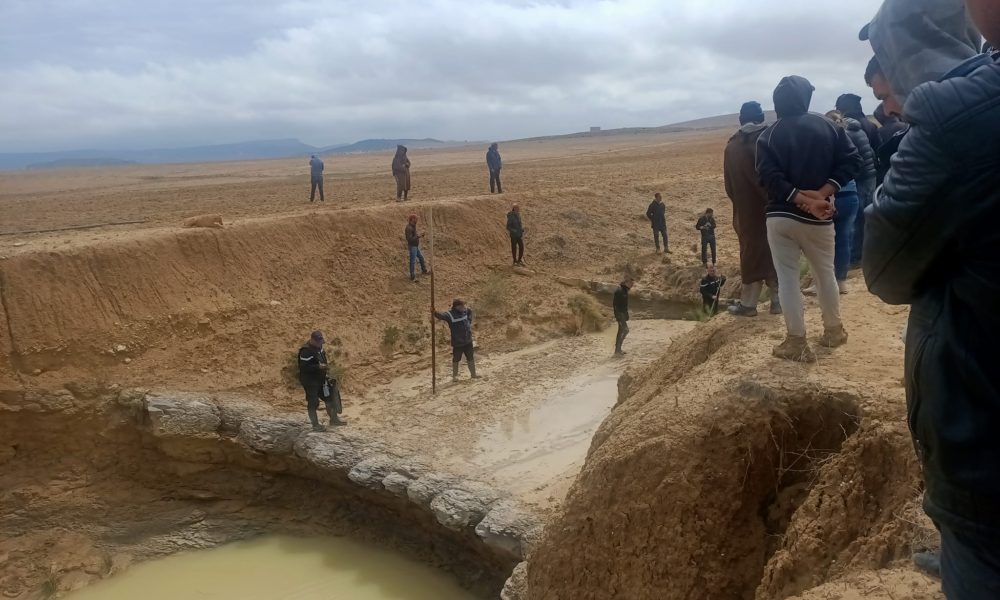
x: 112, y: 73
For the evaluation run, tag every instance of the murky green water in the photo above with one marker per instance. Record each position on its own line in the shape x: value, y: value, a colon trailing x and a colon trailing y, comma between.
x: 280, y: 568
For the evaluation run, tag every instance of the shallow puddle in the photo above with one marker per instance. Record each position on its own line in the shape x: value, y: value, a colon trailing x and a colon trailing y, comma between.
x: 280, y: 568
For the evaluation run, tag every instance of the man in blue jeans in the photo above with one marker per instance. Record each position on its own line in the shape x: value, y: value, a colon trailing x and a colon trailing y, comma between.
x: 413, y: 243
x: 931, y: 241
x: 846, y: 202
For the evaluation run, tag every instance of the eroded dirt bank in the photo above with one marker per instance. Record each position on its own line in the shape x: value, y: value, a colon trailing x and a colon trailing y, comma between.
x: 726, y: 473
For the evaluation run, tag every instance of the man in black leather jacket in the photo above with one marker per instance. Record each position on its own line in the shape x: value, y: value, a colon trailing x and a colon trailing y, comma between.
x: 932, y: 241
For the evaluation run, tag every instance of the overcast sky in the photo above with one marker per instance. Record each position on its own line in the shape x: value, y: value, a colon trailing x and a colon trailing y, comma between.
x: 160, y: 73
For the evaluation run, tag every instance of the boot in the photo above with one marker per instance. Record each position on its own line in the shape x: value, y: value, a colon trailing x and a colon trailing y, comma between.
x: 454, y: 372
x: 738, y: 310
x: 795, y: 348
x: 337, y: 421
x: 472, y: 369
x: 318, y: 427
x: 775, y: 307
x: 833, y: 337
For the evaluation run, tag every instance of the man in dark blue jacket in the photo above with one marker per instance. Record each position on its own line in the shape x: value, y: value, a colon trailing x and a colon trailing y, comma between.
x: 494, y: 163
x: 932, y: 241
x: 803, y: 160
x: 316, y: 178
x: 459, y: 320
x: 516, y: 230
x: 657, y: 215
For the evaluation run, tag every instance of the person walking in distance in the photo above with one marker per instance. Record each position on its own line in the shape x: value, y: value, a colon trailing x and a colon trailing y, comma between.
x: 494, y: 163
x: 620, y: 306
x: 313, y: 371
x: 413, y: 244
x: 931, y: 242
x: 657, y: 215
x: 706, y: 225
x: 401, y: 172
x: 803, y: 160
x: 516, y: 230
x: 710, y: 288
x: 749, y: 213
x: 316, y: 178
x: 459, y: 320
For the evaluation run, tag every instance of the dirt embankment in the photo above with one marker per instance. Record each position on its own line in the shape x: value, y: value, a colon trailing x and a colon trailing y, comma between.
x: 726, y: 473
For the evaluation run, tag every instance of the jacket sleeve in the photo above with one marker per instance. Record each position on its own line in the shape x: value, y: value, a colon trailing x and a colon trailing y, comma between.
x: 510, y: 225
x: 442, y: 317
x: 309, y: 362
x: 772, y: 177
x: 847, y: 160
x: 649, y: 211
x: 700, y: 223
x: 909, y: 223
x: 868, y: 160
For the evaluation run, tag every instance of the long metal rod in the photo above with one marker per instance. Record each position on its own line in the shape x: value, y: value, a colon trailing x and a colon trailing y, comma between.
x: 433, y: 320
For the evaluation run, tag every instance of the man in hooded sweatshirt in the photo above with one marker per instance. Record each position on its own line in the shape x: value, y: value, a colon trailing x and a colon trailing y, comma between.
x: 316, y: 178
x: 401, y: 172
x: 849, y: 105
x: 749, y: 213
x: 459, y: 320
x: 494, y: 163
x: 932, y: 242
x: 803, y: 160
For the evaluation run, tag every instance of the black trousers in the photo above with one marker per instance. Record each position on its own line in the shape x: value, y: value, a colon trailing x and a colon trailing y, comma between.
x: 516, y: 248
x: 313, y: 393
x: 705, y: 243
x: 657, y: 234
x: 317, y: 182
x: 622, y: 334
x: 457, y: 351
x: 495, y: 181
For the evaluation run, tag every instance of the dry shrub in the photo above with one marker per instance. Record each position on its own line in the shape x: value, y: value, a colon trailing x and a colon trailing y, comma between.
x: 587, y: 314
x: 495, y: 296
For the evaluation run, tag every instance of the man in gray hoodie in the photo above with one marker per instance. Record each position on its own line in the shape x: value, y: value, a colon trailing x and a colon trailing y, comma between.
x: 316, y: 177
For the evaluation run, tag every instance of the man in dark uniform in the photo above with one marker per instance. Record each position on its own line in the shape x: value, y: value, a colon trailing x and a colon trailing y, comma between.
x: 459, y: 320
x: 711, y: 285
x: 706, y: 225
x: 620, y: 305
x: 516, y: 230
x: 494, y: 163
x: 313, y: 368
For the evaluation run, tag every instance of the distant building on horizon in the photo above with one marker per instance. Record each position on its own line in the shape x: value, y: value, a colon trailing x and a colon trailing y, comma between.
x: 595, y: 130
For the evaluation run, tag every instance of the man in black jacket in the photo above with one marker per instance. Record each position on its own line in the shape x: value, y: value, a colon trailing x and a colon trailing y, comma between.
x: 657, y: 215
x: 706, y: 225
x: 803, y: 160
x: 932, y: 242
x: 620, y: 306
x: 849, y: 105
x: 494, y: 163
x: 711, y: 287
x: 516, y: 230
x: 459, y: 320
x: 313, y: 369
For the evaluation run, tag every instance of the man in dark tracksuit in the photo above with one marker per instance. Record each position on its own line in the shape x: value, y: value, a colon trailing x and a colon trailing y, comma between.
x: 516, y: 230
x: 706, y: 225
x: 313, y: 368
x: 657, y: 215
x: 413, y: 244
x: 620, y: 305
x: 316, y: 178
x: 459, y: 320
x: 932, y: 242
x: 494, y: 163
x: 711, y: 286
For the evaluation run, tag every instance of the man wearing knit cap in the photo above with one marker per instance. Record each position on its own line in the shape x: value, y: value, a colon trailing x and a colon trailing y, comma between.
x: 459, y: 320
x: 314, y: 377
x: 749, y: 217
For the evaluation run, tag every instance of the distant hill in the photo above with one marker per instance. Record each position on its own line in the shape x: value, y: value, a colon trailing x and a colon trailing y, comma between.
x: 731, y: 121
x: 383, y: 145
x: 67, y: 163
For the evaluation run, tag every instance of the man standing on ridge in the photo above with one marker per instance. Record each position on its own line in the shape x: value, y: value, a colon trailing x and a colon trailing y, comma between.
x: 494, y: 163
x: 706, y: 225
x: 620, y: 306
x: 401, y: 173
x: 516, y: 230
x: 803, y: 160
x: 459, y: 320
x: 413, y: 245
x: 749, y: 213
x: 932, y: 242
x: 657, y: 215
x: 316, y: 178
x: 313, y: 370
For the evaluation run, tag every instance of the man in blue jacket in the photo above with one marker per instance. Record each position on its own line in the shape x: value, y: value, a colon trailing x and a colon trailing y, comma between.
x: 316, y: 178
x: 932, y: 242
x: 459, y: 320
x: 494, y: 163
x: 802, y: 160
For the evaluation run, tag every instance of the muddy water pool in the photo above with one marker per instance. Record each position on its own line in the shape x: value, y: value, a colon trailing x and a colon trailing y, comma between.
x: 280, y: 568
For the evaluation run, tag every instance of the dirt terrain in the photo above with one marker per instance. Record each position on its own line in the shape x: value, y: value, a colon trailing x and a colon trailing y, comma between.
x: 682, y: 490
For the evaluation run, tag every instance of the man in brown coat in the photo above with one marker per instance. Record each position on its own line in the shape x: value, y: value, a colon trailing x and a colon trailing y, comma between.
x: 401, y: 171
x: 749, y: 219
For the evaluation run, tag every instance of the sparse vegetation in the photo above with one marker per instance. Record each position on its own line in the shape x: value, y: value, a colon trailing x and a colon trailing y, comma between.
x: 587, y: 314
x: 701, y: 314
x: 390, y: 337
x: 495, y: 296
x: 50, y: 586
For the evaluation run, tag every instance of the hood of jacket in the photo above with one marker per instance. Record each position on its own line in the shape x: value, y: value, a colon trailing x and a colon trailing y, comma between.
x: 793, y: 96
x: 852, y: 124
x: 751, y: 128
x: 917, y: 41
